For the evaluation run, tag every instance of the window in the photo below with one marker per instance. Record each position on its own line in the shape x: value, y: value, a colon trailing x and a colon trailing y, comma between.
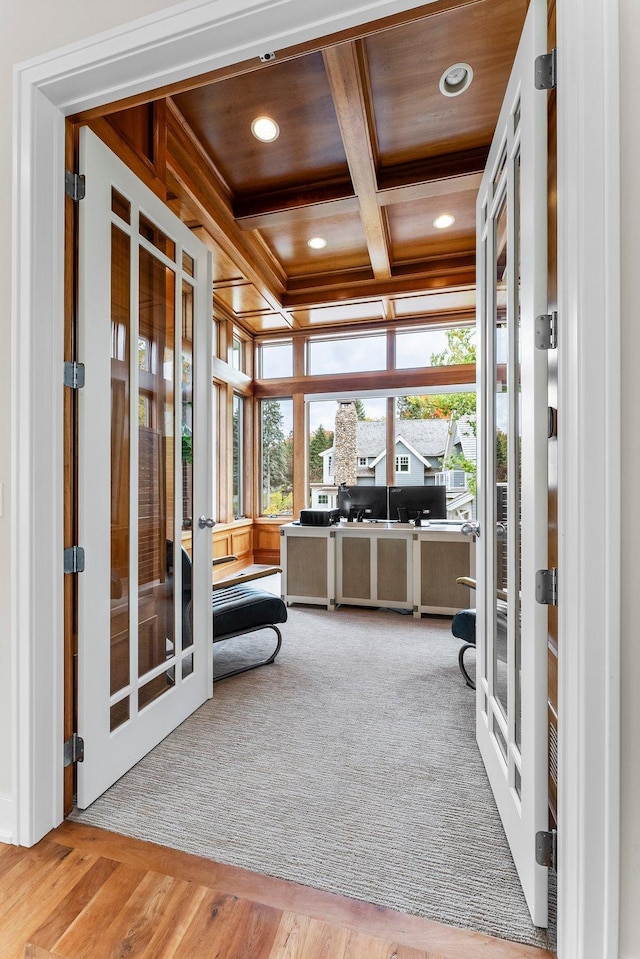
x: 276, y: 359
x: 416, y: 348
x: 323, y: 499
x: 276, y: 428
x: 236, y: 352
x: 402, y: 464
x: 347, y: 354
x: 320, y: 426
x: 238, y: 433
x: 362, y: 461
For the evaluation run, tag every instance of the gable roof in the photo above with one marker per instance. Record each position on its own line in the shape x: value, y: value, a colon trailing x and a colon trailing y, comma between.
x: 425, y: 437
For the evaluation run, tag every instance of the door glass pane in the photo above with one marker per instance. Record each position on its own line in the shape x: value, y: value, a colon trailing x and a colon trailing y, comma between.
x: 187, y: 452
x: 120, y: 453
x: 155, y: 235
x: 518, y: 454
x: 501, y: 459
x: 156, y: 687
x: 156, y: 532
x: 120, y: 205
x: 119, y: 713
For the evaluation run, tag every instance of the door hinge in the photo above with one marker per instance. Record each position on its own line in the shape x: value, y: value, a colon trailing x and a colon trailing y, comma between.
x: 75, y: 185
x: 74, y: 559
x: 546, y: 335
x: 547, y: 587
x: 545, y: 71
x: 74, y: 750
x: 74, y: 375
x: 547, y: 849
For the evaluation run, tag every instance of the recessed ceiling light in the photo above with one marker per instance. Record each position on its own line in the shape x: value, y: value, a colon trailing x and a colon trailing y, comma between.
x: 265, y: 129
x: 317, y: 243
x: 456, y: 79
x: 443, y: 221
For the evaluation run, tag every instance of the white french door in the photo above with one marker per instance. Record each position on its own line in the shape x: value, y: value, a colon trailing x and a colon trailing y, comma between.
x: 511, y: 697
x: 144, y: 464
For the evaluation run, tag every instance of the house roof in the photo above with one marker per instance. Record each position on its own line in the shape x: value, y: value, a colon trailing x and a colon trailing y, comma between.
x: 424, y: 437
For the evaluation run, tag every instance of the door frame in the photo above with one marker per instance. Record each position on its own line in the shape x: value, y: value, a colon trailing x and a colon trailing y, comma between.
x: 196, y: 37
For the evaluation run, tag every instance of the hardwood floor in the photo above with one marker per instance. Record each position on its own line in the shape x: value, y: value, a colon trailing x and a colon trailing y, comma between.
x: 83, y: 893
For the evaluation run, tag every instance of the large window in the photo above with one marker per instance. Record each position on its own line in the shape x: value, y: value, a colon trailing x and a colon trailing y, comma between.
x: 238, y: 438
x: 347, y: 354
x: 276, y: 422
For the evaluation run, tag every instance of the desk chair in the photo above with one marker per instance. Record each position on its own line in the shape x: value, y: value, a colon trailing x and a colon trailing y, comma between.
x: 463, y: 626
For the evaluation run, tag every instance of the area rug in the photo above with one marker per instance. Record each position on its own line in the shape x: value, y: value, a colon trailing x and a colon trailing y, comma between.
x: 349, y: 765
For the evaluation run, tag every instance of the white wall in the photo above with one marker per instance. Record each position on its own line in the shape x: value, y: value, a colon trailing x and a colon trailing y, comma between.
x: 29, y: 29
x: 630, y: 724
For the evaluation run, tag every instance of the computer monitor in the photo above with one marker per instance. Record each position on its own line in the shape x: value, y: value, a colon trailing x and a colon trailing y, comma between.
x: 363, y: 502
x: 412, y: 502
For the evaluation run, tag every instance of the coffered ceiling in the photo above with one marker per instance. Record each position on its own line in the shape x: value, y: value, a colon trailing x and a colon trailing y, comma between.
x: 370, y: 152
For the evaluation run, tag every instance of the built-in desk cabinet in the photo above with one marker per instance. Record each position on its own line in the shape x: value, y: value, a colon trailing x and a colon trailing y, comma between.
x: 374, y: 570
x: 377, y: 564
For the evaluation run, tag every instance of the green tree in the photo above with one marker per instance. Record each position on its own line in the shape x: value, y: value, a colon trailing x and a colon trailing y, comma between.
x: 360, y: 411
x: 320, y: 441
x: 460, y: 348
x: 277, y: 453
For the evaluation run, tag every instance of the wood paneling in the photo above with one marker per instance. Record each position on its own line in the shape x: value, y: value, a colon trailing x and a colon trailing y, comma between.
x: 346, y: 243
x: 296, y: 95
x: 413, y: 235
x: 84, y: 893
x: 413, y: 119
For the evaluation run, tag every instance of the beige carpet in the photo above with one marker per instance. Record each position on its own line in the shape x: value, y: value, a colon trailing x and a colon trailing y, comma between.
x: 349, y: 765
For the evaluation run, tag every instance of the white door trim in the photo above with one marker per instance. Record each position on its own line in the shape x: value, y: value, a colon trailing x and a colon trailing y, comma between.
x: 589, y: 487
x: 198, y: 36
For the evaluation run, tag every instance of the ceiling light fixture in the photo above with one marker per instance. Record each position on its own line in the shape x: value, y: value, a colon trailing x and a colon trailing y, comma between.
x: 317, y: 243
x: 443, y: 221
x: 456, y: 79
x: 265, y: 129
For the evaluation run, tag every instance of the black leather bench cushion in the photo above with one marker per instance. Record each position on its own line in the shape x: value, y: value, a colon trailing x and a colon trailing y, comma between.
x: 238, y: 609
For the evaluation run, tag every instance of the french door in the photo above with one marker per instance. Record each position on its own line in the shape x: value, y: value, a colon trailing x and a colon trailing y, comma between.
x: 511, y: 703
x: 144, y: 442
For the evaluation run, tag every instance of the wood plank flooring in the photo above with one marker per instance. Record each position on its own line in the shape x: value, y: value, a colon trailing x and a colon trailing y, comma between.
x: 83, y: 893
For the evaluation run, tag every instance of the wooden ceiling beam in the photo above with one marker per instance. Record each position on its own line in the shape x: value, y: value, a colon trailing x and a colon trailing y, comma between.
x: 189, y: 169
x: 276, y: 209
x: 346, y: 72
x: 419, y: 379
x: 435, y: 275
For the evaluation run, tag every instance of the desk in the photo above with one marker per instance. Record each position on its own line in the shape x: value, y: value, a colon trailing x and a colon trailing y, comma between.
x: 395, y: 565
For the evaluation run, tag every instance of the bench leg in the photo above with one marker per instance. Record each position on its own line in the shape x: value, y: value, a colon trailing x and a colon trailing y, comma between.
x: 467, y: 678
x: 263, y: 662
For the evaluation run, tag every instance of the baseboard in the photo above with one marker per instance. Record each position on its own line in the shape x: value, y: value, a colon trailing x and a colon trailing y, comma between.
x: 6, y: 820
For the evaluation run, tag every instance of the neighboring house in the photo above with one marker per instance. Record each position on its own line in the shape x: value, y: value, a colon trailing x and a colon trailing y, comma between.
x: 421, y: 448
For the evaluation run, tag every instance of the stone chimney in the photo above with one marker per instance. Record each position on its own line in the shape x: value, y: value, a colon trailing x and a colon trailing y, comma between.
x: 345, y: 442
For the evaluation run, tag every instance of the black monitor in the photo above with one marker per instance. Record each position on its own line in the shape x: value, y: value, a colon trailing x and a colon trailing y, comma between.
x: 363, y: 502
x: 414, y: 502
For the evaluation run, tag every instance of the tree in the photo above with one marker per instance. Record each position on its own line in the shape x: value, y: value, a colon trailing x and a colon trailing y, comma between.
x: 277, y: 454
x: 360, y: 411
x: 320, y: 441
x: 460, y: 348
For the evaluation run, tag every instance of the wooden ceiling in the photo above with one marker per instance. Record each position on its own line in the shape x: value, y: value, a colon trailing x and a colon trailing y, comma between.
x: 370, y: 152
